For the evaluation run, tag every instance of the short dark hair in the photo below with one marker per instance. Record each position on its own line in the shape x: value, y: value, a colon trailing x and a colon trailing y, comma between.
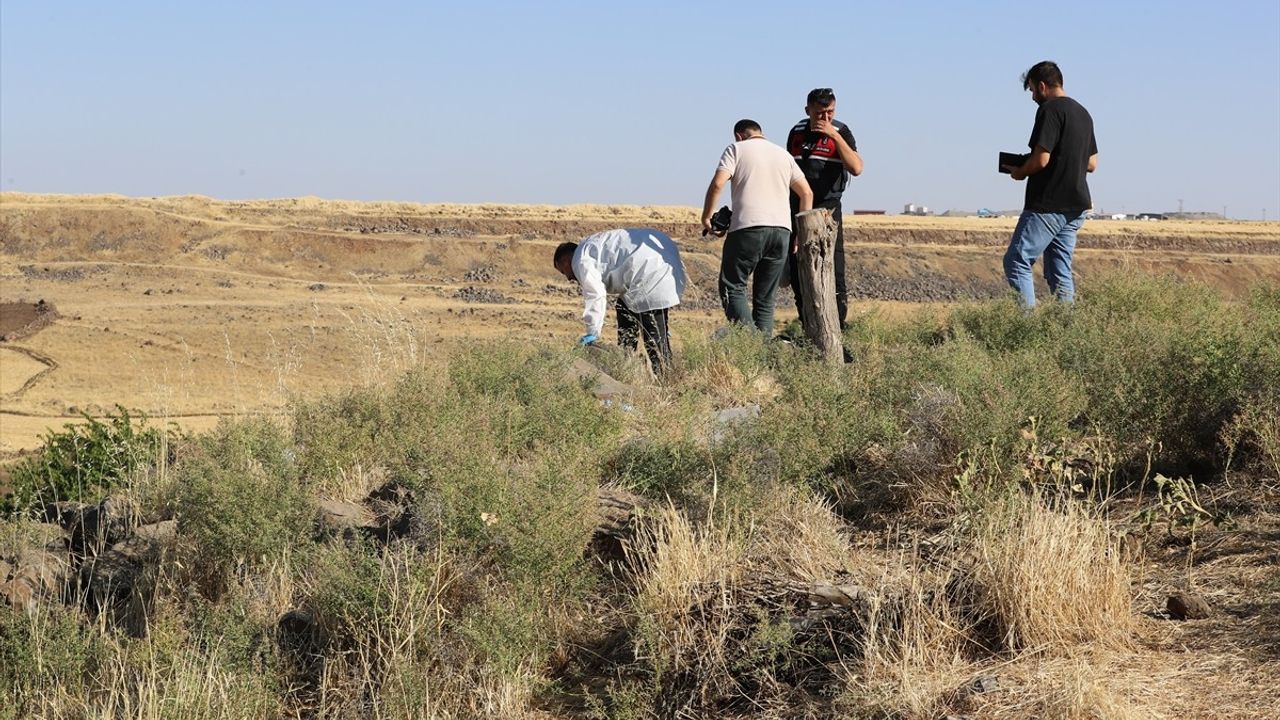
x: 1045, y: 71
x: 742, y: 127
x: 820, y: 96
x: 563, y: 249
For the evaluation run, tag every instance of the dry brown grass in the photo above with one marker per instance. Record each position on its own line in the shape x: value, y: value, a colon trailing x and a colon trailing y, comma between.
x: 683, y: 595
x: 1050, y: 574
x: 913, y: 652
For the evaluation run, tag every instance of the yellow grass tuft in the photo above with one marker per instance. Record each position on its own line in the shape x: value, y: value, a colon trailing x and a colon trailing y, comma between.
x: 1050, y: 574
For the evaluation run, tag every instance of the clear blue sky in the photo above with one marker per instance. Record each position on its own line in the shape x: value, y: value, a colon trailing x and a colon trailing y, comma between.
x: 590, y: 102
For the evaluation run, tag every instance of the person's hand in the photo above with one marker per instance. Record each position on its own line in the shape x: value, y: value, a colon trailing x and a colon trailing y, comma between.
x: 587, y: 339
x: 826, y: 127
x: 1015, y: 172
x: 795, y: 244
x: 708, y: 229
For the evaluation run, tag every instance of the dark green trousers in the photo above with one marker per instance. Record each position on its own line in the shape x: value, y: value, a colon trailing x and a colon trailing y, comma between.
x: 758, y: 253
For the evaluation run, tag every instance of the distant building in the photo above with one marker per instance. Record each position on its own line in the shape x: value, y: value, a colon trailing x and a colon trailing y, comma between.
x: 868, y: 212
x: 1151, y: 216
x: 914, y: 209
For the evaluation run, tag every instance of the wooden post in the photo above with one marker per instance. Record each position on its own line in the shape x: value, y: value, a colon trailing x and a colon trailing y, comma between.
x: 815, y: 258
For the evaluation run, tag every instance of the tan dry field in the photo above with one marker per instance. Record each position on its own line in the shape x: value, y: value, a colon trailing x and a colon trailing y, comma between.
x: 191, y: 309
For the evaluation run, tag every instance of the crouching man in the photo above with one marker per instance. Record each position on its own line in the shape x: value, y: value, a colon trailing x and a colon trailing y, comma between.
x: 639, y: 265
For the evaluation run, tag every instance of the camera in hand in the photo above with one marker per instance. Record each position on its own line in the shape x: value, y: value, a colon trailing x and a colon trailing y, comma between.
x: 720, y: 221
x: 1013, y: 159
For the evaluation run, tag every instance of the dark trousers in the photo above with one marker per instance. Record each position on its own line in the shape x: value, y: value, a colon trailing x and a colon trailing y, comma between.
x: 759, y: 254
x: 653, y: 326
x: 842, y: 284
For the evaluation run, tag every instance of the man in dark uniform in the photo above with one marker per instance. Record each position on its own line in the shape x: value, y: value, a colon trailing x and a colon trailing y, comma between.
x: 826, y: 152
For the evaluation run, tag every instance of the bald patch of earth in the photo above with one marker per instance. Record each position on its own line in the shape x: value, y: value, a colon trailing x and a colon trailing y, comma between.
x: 21, y: 319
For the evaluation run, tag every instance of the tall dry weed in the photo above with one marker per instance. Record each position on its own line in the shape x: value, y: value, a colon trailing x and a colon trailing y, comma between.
x: 689, y: 574
x: 913, y: 652
x: 1049, y: 574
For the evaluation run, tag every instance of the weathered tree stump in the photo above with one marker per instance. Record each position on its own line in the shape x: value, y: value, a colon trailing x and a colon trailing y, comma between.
x: 815, y: 259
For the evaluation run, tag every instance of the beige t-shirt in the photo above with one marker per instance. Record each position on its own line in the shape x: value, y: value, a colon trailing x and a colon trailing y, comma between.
x: 761, y: 174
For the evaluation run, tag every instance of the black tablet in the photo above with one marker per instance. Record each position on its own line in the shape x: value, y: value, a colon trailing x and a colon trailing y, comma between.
x: 1013, y: 159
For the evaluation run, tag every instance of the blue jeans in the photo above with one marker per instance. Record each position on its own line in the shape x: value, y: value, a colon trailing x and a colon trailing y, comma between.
x: 1052, y: 235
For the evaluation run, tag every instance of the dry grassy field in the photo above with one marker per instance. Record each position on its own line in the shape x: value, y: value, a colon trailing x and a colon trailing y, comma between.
x: 191, y: 309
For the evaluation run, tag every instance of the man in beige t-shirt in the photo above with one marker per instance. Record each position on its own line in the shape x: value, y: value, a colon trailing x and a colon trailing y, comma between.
x: 762, y: 175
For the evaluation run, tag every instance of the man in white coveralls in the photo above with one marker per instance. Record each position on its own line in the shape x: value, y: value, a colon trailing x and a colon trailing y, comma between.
x: 642, y: 267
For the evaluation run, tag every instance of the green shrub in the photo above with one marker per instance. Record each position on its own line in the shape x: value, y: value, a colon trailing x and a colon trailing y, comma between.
x: 1254, y: 433
x: 52, y: 648
x: 660, y: 468
x: 527, y: 399
x: 1160, y: 363
x: 824, y: 419
x: 1004, y: 325
x: 239, y: 500
x: 739, y: 346
x: 83, y: 461
x: 341, y: 431
x: 499, y: 400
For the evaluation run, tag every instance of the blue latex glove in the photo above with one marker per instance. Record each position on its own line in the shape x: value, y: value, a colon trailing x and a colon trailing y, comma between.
x: 587, y: 339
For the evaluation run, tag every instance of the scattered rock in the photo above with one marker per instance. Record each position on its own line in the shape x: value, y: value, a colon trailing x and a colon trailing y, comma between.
x: 316, y: 287
x: 1187, y: 606
x: 18, y: 595
x: 566, y: 290
x: 158, y: 534
x: 336, y: 517
x: 66, y: 513
x: 618, y: 515
x: 36, y: 574
x: 388, y: 513
x: 395, y: 508
x: 110, y: 579
x: 296, y: 622
x: 473, y: 294
x: 738, y: 414
x: 486, y: 274
x: 96, y: 526
x: 602, y: 385
x: 983, y: 684
x: 727, y: 418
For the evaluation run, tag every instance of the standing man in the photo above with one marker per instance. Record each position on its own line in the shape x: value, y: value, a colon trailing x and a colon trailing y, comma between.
x: 825, y: 150
x: 762, y: 175
x: 1063, y: 152
x: 642, y: 267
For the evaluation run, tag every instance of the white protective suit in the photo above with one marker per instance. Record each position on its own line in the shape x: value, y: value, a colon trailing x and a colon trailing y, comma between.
x: 639, y: 264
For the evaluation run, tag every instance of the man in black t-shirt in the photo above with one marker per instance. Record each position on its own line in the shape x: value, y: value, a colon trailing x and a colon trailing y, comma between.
x: 1063, y: 152
x: 827, y: 154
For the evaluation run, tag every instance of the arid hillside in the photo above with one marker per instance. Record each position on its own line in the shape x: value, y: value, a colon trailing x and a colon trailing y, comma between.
x: 190, y: 308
